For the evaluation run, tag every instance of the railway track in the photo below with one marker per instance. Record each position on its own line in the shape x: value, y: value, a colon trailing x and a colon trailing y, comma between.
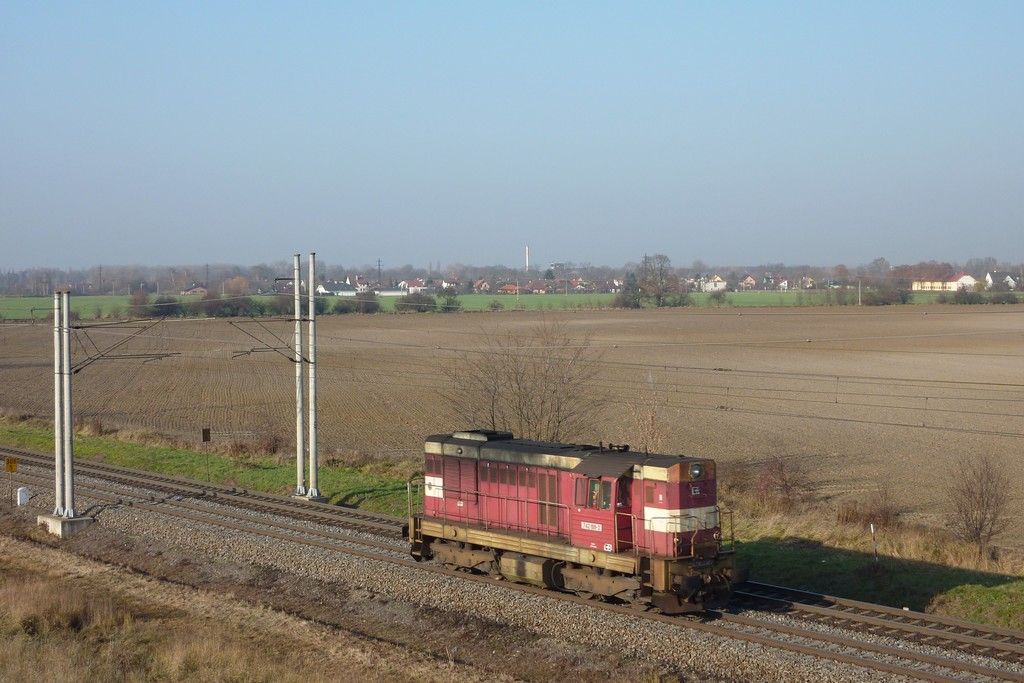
x: 232, y: 509
x: 880, y: 620
x: 294, y: 508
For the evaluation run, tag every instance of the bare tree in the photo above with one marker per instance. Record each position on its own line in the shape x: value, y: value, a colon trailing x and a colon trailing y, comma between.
x: 658, y: 279
x: 980, y: 497
x: 783, y: 483
x: 643, y: 413
x: 538, y: 385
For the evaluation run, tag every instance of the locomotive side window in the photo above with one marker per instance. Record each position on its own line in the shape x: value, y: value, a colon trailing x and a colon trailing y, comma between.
x: 595, y: 494
x: 552, y: 496
x: 581, y: 493
x: 606, y: 495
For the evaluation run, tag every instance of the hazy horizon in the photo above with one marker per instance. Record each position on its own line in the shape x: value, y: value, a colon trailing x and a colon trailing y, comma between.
x: 165, y: 134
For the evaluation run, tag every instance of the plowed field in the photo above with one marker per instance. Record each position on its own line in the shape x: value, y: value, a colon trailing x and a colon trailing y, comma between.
x: 862, y: 395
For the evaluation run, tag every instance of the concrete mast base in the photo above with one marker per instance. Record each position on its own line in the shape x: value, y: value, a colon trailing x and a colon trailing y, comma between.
x: 63, y: 527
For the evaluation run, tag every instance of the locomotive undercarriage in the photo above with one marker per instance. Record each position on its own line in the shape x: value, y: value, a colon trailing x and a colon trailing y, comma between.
x: 667, y: 585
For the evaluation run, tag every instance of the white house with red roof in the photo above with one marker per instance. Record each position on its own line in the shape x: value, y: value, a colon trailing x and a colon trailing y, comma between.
x: 953, y: 283
x: 413, y: 285
x: 715, y: 283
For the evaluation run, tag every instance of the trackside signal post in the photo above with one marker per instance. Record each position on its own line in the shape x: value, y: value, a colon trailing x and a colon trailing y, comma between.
x: 63, y: 522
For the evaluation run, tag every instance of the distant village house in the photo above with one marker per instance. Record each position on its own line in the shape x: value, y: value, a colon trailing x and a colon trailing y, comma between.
x: 953, y: 283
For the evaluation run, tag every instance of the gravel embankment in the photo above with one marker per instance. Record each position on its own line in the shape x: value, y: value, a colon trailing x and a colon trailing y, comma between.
x: 704, y: 655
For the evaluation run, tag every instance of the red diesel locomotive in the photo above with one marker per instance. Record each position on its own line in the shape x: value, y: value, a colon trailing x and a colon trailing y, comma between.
x: 598, y: 521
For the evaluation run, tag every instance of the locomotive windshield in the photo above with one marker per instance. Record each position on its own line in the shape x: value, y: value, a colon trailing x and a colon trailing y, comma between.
x: 696, y: 471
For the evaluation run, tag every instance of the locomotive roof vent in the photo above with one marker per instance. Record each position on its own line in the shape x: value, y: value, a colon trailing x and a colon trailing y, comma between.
x: 483, y: 435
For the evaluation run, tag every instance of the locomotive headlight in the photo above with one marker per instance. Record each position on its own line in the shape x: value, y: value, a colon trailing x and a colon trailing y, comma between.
x: 696, y: 471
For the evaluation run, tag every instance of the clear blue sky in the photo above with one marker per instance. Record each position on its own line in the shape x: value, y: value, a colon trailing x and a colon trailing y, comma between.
x: 822, y: 132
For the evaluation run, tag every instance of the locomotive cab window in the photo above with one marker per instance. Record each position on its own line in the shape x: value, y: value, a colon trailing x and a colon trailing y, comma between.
x: 593, y: 493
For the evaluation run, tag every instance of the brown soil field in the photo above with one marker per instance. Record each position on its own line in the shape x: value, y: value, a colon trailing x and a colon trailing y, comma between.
x: 868, y: 396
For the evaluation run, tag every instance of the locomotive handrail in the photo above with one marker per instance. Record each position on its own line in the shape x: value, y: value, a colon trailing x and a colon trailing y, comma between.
x: 563, y: 524
x: 414, y: 480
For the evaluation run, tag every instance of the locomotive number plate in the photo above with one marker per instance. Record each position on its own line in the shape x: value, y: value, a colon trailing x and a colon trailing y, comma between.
x: 591, y: 526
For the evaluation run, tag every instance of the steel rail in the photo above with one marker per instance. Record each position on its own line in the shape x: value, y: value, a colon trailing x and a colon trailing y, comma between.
x: 244, y: 498
x: 335, y: 542
x: 910, y: 616
x: 327, y: 541
x: 118, y: 498
x: 921, y: 630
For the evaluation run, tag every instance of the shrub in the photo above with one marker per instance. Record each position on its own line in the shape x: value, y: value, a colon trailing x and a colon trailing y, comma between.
x: 366, y: 302
x: 282, y: 304
x: 343, y: 306
x: 416, y: 303
x: 269, y: 443
x: 214, y: 306
x: 782, y: 483
x: 886, y: 296
x: 876, y: 507
x: 980, y: 497
x: 627, y: 299
x: 965, y: 296
x: 496, y: 305
x: 165, y: 307
x: 91, y: 426
x: 449, y: 301
x: 1002, y: 298
x: 719, y: 298
x: 677, y: 299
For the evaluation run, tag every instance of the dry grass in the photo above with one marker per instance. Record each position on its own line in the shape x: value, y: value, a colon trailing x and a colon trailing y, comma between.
x: 900, y: 541
x: 35, y: 607
x: 55, y: 630
x: 878, y: 507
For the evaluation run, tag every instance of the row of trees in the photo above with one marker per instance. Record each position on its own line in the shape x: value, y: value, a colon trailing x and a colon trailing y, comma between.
x: 143, y: 305
x: 229, y: 279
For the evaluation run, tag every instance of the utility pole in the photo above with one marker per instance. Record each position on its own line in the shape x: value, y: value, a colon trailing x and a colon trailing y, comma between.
x: 313, y: 492
x: 68, y: 426
x: 858, y: 292
x: 58, y: 404
x: 63, y: 521
x: 380, y: 279
x: 300, y: 484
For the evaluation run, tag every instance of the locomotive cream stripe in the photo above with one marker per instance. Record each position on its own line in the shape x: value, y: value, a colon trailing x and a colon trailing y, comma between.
x: 434, y: 487
x: 676, y: 521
